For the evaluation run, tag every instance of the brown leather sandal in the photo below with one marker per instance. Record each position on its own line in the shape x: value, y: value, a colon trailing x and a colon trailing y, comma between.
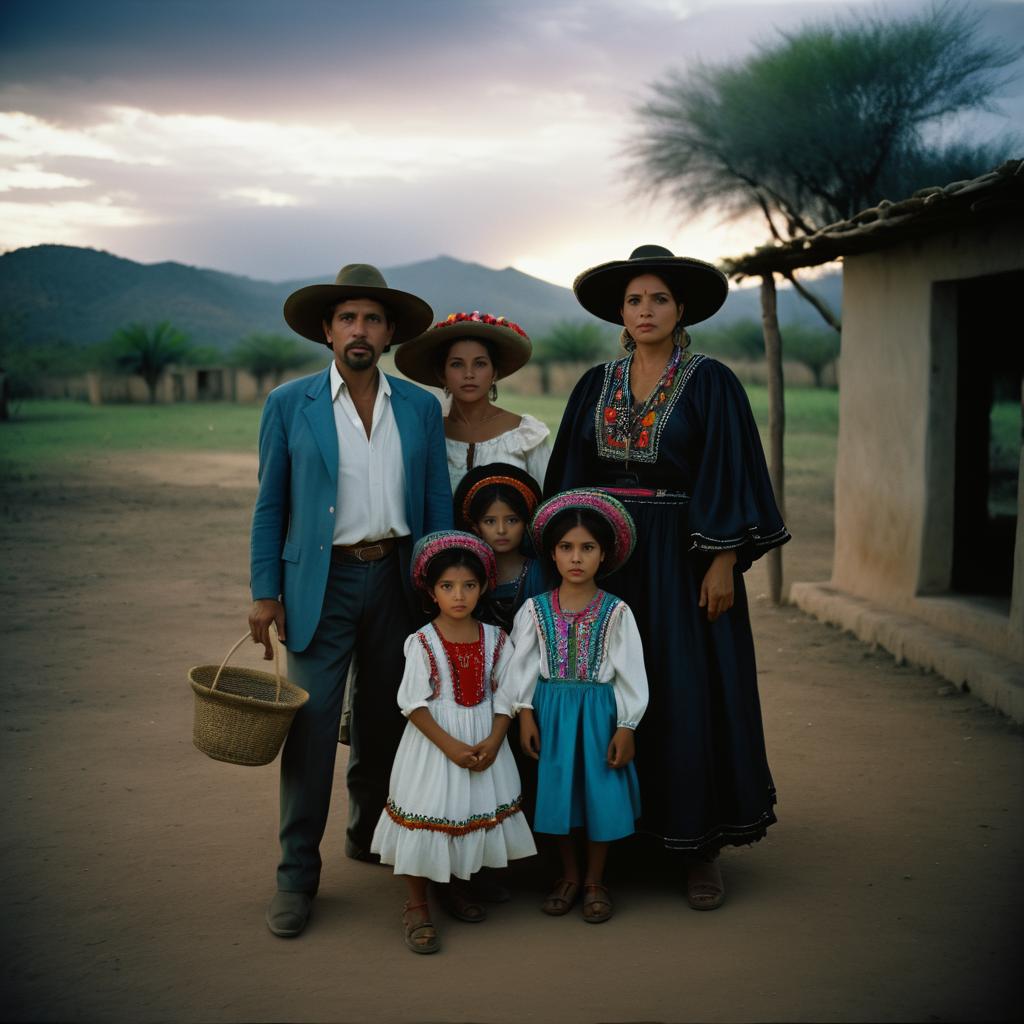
x: 597, y: 903
x: 458, y: 900
x: 561, y: 898
x: 416, y: 936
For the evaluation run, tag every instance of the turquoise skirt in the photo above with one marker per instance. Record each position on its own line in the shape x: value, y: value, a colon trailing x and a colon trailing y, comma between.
x: 575, y: 786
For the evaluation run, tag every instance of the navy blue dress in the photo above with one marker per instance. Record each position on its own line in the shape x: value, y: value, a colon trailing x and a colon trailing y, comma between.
x: 690, y: 468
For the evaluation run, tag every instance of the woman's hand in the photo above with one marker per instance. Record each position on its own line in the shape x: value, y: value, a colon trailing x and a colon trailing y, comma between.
x: 622, y: 748
x: 529, y: 736
x: 716, y: 590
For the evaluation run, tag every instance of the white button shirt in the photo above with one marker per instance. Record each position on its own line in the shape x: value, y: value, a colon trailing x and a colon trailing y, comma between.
x: 371, y: 476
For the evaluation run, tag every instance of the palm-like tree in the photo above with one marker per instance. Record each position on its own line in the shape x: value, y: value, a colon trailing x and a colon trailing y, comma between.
x: 272, y: 355
x: 147, y: 351
x: 569, y: 341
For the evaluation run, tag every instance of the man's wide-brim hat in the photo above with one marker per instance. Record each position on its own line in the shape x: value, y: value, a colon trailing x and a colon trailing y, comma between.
x: 418, y: 360
x: 304, y: 310
x: 701, y: 287
x: 481, y: 477
x: 608, y: 508
x: 429, y: 547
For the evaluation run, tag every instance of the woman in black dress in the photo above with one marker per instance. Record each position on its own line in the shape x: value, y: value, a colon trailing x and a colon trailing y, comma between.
x: 670, y: 433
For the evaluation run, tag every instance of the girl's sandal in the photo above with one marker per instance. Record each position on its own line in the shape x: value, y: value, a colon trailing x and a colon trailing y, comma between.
x: 420, y: 938
x: 561, y: 898
x: 458, y: 901
x: 597, y: 903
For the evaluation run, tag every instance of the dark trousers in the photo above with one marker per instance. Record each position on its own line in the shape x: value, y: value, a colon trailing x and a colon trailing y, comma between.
x: 366, y: 612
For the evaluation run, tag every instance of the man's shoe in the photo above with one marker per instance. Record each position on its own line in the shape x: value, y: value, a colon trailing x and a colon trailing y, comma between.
x: 355, y: 852
x: 288, y: 913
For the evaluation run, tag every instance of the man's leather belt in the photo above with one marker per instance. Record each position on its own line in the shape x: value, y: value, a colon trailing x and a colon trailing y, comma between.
x: 363, y: 552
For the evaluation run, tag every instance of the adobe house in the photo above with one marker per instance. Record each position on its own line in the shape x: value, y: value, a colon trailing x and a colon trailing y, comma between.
x: 929, y: 536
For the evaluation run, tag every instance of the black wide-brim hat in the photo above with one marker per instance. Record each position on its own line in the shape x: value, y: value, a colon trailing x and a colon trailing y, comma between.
x: 701, y: 287
x: 511, y: 345
x: 304, y: 309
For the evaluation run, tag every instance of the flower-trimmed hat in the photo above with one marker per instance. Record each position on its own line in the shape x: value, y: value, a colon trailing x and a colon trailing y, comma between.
x: 701, y: 286
x: 493, y: 473
x: 511, y: 344
x: 304, y: 309
x: 608, y: 508
x: 428, y: 547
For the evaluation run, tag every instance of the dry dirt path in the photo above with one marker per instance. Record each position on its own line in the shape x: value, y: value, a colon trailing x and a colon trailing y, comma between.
x: 138, y: 871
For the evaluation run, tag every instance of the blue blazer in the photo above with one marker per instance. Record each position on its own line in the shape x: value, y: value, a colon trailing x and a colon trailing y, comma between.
x: 293, y: 521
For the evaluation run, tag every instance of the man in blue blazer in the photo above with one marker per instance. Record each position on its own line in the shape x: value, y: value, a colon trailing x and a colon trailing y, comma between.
x: 353, y: 472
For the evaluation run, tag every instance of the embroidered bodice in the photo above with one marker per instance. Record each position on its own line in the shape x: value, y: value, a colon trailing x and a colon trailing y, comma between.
x: 464, y: 674
x: 632, y: 431
x: 599, y: 644
x: 574, y: 641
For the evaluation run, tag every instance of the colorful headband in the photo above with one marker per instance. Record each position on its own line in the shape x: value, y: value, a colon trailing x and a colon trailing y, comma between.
x: 610, y: 509
x: 429, y: 547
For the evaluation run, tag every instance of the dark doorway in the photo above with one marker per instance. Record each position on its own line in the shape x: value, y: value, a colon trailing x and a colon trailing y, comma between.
x: 990, y: 366
x: 209, y: 385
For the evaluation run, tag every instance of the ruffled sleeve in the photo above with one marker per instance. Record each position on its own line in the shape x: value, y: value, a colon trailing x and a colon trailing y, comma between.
x: 532, y: 436
x: 416, y: 688
x: 520, y: 676
x: 502, y: 705
x: 732, y: 505
x: 626, y: 656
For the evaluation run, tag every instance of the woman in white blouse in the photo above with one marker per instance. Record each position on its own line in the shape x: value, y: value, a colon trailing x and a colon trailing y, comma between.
x: 466, y: 355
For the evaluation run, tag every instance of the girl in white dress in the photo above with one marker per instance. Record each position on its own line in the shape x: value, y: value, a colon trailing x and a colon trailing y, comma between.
x: 454, y: 803
x: 467, y: 354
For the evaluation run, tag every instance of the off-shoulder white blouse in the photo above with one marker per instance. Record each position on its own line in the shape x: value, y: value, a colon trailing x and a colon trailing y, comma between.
x: 526, y: 446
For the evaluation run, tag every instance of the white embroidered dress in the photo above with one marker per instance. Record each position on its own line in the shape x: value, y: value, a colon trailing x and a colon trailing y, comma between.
x: 526, y: 446
x: 442, y: 820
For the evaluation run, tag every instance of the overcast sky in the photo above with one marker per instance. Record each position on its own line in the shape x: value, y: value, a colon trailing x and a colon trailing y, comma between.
x: 281, y: 140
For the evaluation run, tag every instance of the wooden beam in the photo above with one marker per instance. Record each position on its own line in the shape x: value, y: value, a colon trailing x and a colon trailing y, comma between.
x: 776, y: 420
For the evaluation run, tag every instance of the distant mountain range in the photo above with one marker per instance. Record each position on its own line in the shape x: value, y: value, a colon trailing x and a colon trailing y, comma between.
x: 59, y: 293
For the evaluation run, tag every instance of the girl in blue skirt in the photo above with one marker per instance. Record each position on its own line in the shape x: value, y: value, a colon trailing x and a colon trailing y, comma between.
x: 577, y: 680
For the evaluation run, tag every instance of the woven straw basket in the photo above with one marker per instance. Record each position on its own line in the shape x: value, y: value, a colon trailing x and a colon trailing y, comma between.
x: 242, y: 716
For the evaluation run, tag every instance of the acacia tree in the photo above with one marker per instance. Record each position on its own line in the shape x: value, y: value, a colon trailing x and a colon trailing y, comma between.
x: 568, y: 341
x: 270, y: 355
x: 147, y: 351
x: 825, y: 121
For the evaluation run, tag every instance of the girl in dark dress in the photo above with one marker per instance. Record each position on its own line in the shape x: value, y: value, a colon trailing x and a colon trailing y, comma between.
x: 496, y: 502
x: 670, y: 433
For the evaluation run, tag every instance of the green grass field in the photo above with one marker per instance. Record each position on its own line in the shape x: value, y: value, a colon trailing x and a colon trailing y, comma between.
x: 46, y: 436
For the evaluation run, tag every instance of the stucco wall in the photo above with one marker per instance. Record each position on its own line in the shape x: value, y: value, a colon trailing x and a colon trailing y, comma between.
x: 894, y: 469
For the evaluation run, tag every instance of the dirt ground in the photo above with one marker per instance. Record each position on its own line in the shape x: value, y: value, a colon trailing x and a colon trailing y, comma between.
x: 138, y: 871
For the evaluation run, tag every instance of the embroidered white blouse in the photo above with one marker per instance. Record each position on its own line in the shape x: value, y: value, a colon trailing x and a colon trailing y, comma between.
x: 526, y: 446
x: 619, y: 661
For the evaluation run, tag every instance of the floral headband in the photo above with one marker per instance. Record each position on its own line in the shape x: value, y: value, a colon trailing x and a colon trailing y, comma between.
x: 477, y: 317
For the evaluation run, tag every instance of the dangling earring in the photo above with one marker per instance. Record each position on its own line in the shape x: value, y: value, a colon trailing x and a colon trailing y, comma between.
x: 681, y: 337
x: 447, y: 392
x: 626, y: 340
x: 494, y: 391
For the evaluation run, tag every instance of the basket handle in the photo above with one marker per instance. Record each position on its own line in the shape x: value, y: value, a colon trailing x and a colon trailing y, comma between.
x: 277, y: 663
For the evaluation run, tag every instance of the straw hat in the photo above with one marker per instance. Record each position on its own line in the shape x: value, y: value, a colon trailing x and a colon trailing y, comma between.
x: 701, y: 286
x: 428, y: 547
x: 608, y: 508
x: 304, y: 309
x: 494, y: 473
x: 511, y: 344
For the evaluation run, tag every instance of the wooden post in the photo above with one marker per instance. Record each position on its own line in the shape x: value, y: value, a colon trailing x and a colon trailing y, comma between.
x: 776, y: 420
